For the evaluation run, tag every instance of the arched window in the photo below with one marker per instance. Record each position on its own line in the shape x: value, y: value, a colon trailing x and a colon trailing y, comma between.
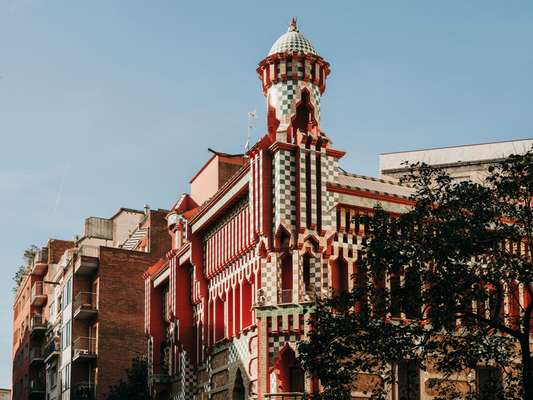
x: 247, y: 303
x: 304, y: 118
x: 291, y: 376
x: 286, y: 279
x: 238, y: 387
x: 339, y: 275
x: 306, y: 272
x: 220, y: 327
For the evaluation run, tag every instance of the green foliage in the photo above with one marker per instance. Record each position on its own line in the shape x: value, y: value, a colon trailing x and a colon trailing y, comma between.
x: 22, y: 271
x: 456, y: 248
x: 136, y: 385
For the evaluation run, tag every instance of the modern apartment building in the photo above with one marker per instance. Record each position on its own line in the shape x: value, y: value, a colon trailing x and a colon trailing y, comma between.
x: 87, y: 301
x: 30, y: 315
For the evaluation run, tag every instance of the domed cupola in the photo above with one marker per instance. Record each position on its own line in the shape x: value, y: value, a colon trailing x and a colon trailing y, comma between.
x: 293, y: 77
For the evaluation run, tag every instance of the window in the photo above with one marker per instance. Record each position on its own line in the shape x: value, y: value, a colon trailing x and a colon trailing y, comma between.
x: 307, y: 272
x: 66, y: 335
x: 65, y: 378
x: 489, y: 383
x: 408, y: 381
x: 52, y: 377
x: 67, y: 293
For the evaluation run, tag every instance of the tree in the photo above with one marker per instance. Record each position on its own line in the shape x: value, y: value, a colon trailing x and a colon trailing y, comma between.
x: 22, y: 271
x: 446, y: 286
x: 136, y: 385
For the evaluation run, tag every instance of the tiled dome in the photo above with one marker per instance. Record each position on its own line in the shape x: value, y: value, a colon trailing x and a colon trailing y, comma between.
x: 292, y: 41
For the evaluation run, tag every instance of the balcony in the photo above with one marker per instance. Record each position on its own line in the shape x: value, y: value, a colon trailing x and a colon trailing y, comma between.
x: 51, y: 349
x: 40, y: 261
x: 38, y: 294
x: 84, y: 349
x: 37, y: 325
x: 36, y: 356
x: 37, y: 386
x: 284, y: 396
x: 86, y: 261
x: 84, y: 306
x: 285, y: 296
x: 83, y: 391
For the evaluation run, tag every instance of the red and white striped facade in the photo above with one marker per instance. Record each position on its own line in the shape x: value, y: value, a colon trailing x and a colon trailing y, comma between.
x: 227, y: 305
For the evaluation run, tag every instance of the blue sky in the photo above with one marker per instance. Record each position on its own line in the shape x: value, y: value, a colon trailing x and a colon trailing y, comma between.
x: 106, y: 104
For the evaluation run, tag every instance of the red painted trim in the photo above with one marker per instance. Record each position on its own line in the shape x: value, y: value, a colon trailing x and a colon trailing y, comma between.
x: 370, y: 195
x: 335, y: 153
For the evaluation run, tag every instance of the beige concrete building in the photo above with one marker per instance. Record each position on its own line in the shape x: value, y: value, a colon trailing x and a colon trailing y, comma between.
x: 461, y: 162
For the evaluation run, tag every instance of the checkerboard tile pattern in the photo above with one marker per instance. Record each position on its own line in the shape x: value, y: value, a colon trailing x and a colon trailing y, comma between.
x: 330, y: 173
x: 284, y: 192
x: 276, y: 343
x: 292, y: 42
x: 269, y: 280
x: 314, y: 279
x: 284, y: 96
x: 187, y: 377
x: 239, y: 350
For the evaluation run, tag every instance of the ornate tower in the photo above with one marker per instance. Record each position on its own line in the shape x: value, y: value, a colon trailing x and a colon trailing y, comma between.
x: 293, y: 77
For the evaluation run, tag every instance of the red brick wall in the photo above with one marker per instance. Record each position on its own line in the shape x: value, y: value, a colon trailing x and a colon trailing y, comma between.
x: 56, y: 248
x: 121, y: 303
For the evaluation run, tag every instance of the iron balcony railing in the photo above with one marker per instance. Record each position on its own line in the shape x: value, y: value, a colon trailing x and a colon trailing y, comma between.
x: 41, y: 256
x: 36, y: 354
x: 51, y: 348
x: 85, y: 301
x: 84, y: 347
x: 37, y: 385
x: 37, y: 322
x: 285, y: 296
x: 37, y: 290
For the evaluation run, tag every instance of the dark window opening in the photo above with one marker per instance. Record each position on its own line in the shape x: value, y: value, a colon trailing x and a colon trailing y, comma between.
x: 489, y: 383
x: 307, y: 272
x: 408, y: 379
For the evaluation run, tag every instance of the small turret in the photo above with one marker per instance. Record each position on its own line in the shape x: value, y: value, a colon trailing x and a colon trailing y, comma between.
x: 293, y: 77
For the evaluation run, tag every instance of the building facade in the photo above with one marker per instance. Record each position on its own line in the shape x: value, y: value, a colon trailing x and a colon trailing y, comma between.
x: 466, y: 162
x: 227, y: 306
x: 30, y: 316
x: 78, y: 315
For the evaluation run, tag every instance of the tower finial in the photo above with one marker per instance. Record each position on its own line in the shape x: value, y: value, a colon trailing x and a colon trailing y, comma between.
x: 293, y: 26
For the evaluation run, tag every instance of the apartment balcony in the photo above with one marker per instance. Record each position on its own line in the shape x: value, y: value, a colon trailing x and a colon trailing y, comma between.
x: 84, y: 306
x: 38, y: 294
x: 37, y: 387
x: 51, y: 349
x: 40, y: 261
x: 284, y: 396
x: 84, y: 349
x: 285, y: 296
x: 86, y: 261
x: 83, y: 391
x: 37, y: 325
x: 36, y: 356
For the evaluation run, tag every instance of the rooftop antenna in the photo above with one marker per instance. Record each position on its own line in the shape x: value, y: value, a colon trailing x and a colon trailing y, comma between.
x: 252, y: 115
